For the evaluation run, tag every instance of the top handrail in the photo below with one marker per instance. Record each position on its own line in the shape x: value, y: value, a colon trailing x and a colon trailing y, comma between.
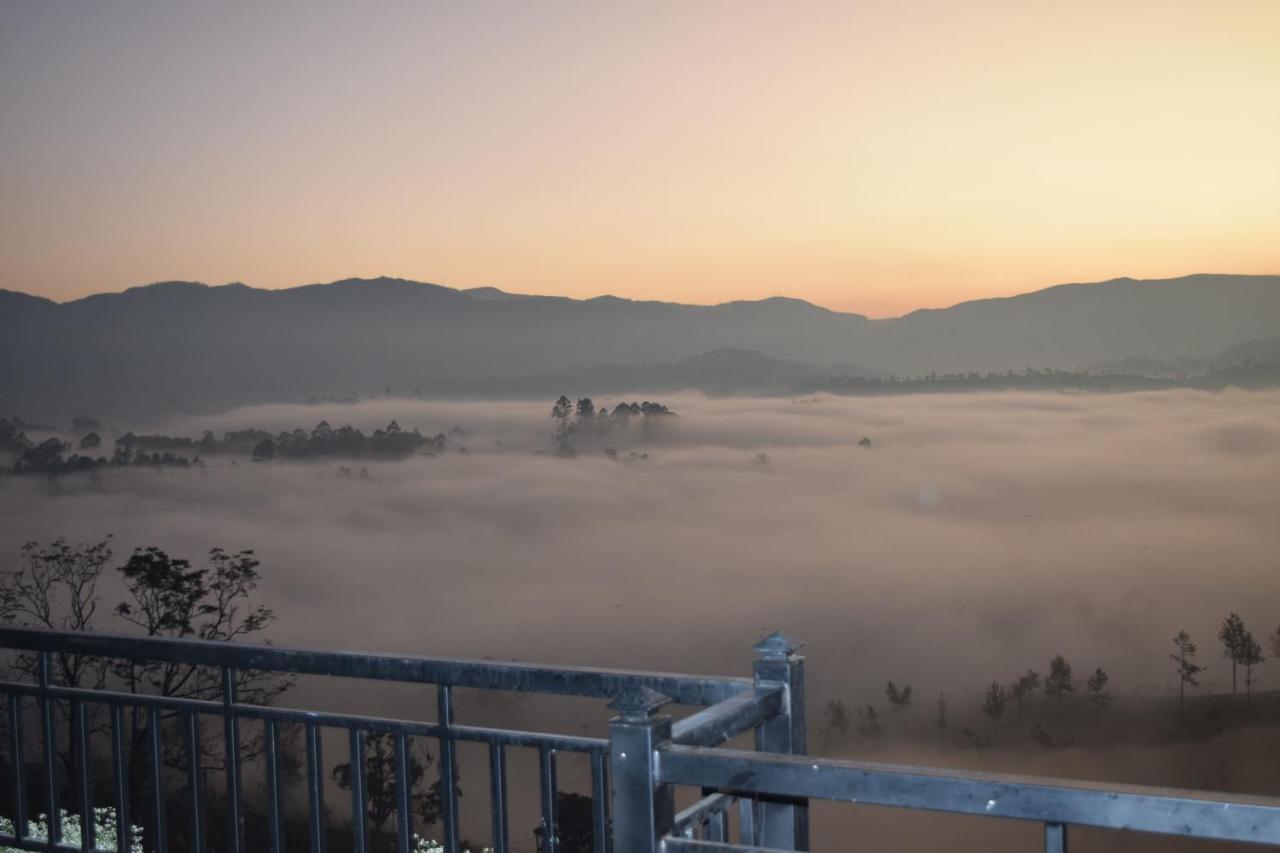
x: 592, y: 682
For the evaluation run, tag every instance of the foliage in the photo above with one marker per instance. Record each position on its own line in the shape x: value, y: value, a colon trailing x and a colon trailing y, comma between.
x: 1098, y: 693
x: 1058, y: 682
x: 836, y: 717
x: 899, y: 697
x: 869, y: 723
x: 104, y: 831
x: 1232, y: 636
x: 1023, y: 687
x: 993, y: 704
x: 575, y: 824
x: 380, y: 780
x: 1187, y: 669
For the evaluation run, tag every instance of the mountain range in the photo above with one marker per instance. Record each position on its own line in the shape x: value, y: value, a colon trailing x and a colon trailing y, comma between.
x: 182, y: 346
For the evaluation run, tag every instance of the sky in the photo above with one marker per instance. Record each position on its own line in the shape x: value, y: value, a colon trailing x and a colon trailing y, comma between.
x: 867, y: 156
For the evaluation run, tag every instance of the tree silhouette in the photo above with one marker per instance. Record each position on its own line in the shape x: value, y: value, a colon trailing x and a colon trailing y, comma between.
x: 1231, y: 635
x: 1187, y: 668
x: 993, y: 704
x: 381, y: 783
x: 1023, y: 687
x: 1099, y: 695
x: 1058, y: 682
x: 57, y: 587
x: 899, y: 697
x: 837, y: 721
x: 869, y: 722
x: 1250, y: 656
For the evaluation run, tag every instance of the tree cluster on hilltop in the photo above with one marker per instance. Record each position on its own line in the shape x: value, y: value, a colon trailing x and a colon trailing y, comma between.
x: 584, y: 423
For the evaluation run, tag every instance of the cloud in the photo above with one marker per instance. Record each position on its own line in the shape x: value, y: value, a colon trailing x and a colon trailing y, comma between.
x: 978, y: 535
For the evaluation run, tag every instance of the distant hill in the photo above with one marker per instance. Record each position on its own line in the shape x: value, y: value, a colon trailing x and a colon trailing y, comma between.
x: 188, y: 346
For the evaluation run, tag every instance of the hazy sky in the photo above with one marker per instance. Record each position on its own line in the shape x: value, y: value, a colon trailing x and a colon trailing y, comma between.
x: 869, y: 156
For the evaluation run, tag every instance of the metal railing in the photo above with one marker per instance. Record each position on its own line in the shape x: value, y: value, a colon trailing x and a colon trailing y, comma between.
x: 760, y: 795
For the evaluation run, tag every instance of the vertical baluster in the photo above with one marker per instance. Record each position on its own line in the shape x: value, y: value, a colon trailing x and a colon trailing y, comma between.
x: 195, y: 782
x: 359, y: 803
x: 498, y: 795
x: 50, y: 751
x: 448, y: 770
x: 599, y: 804
x: 1055, y: 838
x: 315, y: 788
x: 547, y: 786
x: 718, y: 828
x: 275, y: 829
x: 17, y: 767
x: 404, y: 795
x: 746, y: 820
x: 124, y: 830
x: 157, y: 780
x: 231, y: 737
x: 80, y: 726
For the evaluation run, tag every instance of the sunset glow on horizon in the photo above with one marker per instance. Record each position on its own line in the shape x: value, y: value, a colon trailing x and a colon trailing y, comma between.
x: 874, y: 157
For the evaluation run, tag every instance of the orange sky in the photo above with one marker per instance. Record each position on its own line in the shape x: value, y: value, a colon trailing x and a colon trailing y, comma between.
x: 867, y: 156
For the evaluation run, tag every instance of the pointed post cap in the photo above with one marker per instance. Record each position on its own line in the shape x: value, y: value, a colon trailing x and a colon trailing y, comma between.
x: 777, y: 646
x: 639, y: 703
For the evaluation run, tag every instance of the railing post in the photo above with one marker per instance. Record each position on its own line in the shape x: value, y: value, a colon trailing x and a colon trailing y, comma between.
x: 643, y: 810
x: 782, y: 825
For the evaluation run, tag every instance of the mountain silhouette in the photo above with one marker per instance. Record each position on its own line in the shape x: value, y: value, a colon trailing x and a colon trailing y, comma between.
x: 176, y: 346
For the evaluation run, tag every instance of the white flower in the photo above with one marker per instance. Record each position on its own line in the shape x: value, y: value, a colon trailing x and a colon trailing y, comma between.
x: 104, y: 824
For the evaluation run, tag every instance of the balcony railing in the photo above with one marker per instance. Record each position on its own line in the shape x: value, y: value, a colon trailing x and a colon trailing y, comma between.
x: 760, y: 796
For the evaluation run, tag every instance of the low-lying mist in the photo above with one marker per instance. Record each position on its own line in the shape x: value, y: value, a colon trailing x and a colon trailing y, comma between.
x: 976, y: 535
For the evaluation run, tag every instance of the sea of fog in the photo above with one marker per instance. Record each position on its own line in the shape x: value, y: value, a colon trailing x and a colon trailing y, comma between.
x: 977, y: 535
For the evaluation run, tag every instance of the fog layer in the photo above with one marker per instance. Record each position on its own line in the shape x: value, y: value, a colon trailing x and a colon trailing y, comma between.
x: 976, y: 536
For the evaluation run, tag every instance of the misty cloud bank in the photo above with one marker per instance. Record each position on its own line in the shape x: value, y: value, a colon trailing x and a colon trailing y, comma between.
x: 978, y: 535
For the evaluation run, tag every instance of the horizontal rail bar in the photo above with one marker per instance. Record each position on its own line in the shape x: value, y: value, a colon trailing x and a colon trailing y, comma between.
x: 1168, y: 811
x: 722, y: 721
x: 690, y: 845
x: 564, y: 743
x: 704, y: 808
x: 458, y: 672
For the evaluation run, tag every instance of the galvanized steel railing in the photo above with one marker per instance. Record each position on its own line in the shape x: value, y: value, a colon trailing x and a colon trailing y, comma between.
x: 761, y: 796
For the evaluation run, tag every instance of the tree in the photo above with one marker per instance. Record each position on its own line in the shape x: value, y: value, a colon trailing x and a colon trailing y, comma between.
x: 575, y: 825
x: 1274, y: 642
x: 1250, y: 656
x: 56, y: 587
x: 1231, y: 635
x: 869, y: 722
x: 993, y: 704
x: 586, y: 409
x: 380, y: 781
x: 837, y: 720
x: 1058, y: 682
x: 1099, y: 695
x: 264, y: 450
x: 1023, y: 687
x: 91, y: 441
x: 1187, y: 669
x: 899, y: 698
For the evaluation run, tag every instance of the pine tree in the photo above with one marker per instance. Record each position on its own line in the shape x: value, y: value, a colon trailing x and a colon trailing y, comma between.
x: 1099, y: 695
x: 1250, y: 656
x: 994, y: 703
x: 1187, y: 668
x: 1231, y: 635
